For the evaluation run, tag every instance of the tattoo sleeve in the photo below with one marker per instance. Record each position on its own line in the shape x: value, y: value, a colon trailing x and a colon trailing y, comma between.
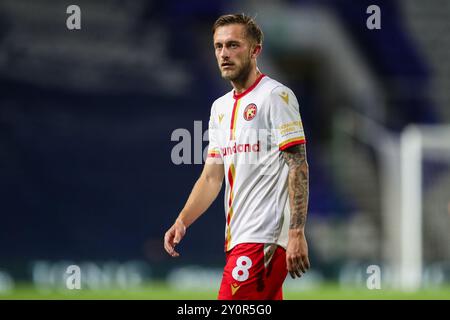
x: 298, y: 184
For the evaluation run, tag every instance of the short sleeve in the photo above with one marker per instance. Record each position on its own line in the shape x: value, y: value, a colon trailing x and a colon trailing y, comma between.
x: 213, y: 132
x: 285, y: 118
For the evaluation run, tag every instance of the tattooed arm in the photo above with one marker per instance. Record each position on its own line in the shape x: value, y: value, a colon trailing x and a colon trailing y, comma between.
x: 297, y: 250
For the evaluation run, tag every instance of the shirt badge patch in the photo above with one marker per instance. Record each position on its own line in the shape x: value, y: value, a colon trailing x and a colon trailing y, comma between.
x: 285, y: 96
x: 250, y: 111
x: 234, y: 287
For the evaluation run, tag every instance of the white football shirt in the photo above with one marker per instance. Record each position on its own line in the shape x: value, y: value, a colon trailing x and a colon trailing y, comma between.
x: 247, y: 133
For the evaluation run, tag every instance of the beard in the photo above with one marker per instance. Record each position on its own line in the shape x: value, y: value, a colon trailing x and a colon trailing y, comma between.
x: 239, y: 74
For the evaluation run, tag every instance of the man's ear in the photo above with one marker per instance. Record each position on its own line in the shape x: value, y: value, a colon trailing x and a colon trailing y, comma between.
x: 256, y: 50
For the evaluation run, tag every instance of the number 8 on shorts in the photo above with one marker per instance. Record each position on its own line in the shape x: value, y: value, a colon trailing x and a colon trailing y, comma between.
x: 240, y: 272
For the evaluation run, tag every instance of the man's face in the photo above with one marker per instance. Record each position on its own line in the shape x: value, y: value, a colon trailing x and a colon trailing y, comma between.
x: 233, y: 51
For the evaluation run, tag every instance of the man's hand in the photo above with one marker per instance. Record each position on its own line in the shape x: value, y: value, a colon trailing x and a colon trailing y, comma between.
x: 297, y: 253
x: 205, y: 191
x: 173, y: 237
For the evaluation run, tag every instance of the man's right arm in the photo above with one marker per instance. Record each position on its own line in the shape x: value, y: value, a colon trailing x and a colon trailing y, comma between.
x: 203, y: 194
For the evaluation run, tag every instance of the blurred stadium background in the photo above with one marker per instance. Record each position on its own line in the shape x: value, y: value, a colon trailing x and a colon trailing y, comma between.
x: 86, y: 123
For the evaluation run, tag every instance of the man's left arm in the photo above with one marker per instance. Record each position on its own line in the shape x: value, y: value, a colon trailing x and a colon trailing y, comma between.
x: 298, y: 185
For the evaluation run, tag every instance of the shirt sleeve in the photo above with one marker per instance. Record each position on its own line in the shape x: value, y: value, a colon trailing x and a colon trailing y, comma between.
x: 213, y: 131
x: 285, y: 118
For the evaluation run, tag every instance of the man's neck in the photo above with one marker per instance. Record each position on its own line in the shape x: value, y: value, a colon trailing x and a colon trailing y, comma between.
x: 242, y: 85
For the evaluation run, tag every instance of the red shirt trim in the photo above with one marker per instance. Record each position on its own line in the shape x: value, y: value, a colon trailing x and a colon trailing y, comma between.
x: 240, y: 95
x: 293, y: 143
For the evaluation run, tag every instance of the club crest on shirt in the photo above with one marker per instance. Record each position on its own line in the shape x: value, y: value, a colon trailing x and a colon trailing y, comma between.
x: 221, y: 117
x: 250, y: 111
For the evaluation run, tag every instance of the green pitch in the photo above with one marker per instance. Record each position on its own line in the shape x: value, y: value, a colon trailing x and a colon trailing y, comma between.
x: 161, y: 291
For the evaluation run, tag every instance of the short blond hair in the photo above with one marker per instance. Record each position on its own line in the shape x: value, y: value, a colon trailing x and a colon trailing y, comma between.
x: 252, y: 29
